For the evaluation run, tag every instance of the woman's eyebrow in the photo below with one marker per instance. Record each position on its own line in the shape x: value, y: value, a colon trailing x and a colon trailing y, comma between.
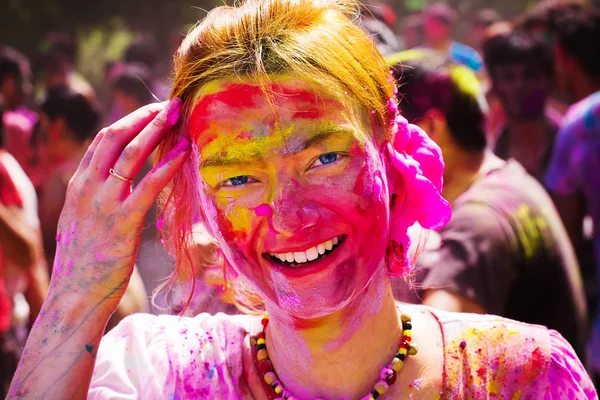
x: 326, y: 133
x: 252, y: 152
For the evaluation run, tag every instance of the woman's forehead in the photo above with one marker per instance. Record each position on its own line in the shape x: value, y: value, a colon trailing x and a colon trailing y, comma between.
x: 285, y: 106
x: 243, y: 93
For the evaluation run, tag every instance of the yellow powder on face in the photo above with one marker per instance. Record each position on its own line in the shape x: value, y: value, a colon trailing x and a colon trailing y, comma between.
x: 245, y: 143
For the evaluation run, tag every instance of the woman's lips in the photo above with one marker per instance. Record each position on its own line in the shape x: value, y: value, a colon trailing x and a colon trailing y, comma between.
x: 301, y: 258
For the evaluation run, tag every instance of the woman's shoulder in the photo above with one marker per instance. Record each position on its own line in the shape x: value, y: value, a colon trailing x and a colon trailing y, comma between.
x: 490, y: 356
x: 165, y: 356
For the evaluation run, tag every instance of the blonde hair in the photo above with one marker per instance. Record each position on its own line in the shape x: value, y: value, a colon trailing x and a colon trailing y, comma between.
x: 313, y: 40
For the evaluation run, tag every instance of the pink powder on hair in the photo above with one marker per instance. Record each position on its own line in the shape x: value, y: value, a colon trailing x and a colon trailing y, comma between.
x: 415, y: 176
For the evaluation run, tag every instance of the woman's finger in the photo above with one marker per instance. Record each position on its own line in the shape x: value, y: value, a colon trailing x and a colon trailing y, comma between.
x: 87, y: 158
x: 135, y: 154
x: 151, y: 185
x: 119, y: 134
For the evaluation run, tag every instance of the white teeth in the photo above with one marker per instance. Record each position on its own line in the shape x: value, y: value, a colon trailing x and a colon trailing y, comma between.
x: 321, y: 248
x: 312, y: 254
x: 300, y: 257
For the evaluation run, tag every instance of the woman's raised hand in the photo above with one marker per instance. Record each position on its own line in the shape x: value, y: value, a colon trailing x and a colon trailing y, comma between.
x: 100, y: 225
x: 98, y: 237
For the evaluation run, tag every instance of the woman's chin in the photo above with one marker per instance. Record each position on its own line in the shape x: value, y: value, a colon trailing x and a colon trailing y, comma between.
x: 316, y: 303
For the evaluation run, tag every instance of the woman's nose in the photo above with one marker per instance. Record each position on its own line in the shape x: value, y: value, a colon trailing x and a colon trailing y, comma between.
x: 293, y: 214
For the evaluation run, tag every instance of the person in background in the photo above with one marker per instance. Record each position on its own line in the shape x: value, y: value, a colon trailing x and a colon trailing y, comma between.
x: 144, y: 53
x: 129, y: 89
x: 18, y: 120
x: 412, y: 31
x: 68, y: 123
x: 572, y: 176
x: 23, y: 273
x: 539, y: 21
x: 378, y: 21
x: 520, y: 68
x: 58, y: 65
x: 439, y: 19
x: 505, y: 250
x: 480, y: 23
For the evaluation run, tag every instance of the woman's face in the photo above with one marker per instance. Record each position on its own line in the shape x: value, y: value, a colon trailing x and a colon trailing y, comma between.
x: 294, y: 189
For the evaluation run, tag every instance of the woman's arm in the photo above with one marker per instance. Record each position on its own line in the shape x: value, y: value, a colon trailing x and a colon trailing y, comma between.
x: 97, y: 242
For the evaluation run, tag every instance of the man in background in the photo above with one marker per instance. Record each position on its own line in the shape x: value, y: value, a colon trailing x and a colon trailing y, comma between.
x: 573, y: 172
x: 439, y: 20
x: 505, y: 250
x: 520, y: 68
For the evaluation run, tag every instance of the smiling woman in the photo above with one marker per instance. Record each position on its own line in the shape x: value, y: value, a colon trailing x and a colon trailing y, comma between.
x: 306, y: 175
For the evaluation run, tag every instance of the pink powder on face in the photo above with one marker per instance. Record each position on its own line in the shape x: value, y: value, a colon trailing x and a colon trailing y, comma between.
x: 264, y: 210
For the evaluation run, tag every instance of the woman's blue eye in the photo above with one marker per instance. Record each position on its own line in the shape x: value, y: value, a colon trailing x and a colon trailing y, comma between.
x: 328, y: 158
x: 236, y: 181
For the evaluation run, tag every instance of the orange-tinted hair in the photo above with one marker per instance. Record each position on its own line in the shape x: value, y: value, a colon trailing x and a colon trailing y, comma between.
x: 312, y: 40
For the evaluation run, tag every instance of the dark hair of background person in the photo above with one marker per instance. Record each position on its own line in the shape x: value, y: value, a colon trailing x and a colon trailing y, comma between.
x: 427, y: 83
x: 577, y: 32
x: 10, y: 63
x: 1, y: 125
x: 63, y: 46
x: 486, y: 17
x: 135, y: 81
x: 518, y: 47
x: 142, y: 53
x: 81, y: 116
x: 544, y: 13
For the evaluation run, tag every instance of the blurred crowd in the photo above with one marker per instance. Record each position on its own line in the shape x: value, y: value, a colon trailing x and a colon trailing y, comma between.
x: 515, y: 109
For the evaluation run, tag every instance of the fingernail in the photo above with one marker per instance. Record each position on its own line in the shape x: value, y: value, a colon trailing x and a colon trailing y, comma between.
x: 183, y: 145
x: 174, y: 110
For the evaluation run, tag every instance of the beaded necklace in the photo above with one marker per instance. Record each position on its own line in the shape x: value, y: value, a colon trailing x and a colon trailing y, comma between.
x: 387, y: 375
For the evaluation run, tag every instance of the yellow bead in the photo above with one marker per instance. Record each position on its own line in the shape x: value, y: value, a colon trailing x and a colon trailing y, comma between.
x: 261, y: 341
x: 403, y: 351
x: 413, y: 350
x: 397, y: 364
x: 270, y: 377
x: 407, y: 333
x: 381, y: 387
x: 262, y: 354
x: 278, y: 389
x: 266, y: 316
x: 405, y: 318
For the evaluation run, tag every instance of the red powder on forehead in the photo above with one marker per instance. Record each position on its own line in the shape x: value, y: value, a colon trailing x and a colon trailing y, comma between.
x: 307, y: 103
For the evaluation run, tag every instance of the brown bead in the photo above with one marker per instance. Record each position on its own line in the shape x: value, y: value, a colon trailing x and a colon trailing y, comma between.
x: 390, y: 376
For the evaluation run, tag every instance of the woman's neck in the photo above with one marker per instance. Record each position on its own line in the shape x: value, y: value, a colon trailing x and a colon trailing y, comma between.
x: 340, y: 355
